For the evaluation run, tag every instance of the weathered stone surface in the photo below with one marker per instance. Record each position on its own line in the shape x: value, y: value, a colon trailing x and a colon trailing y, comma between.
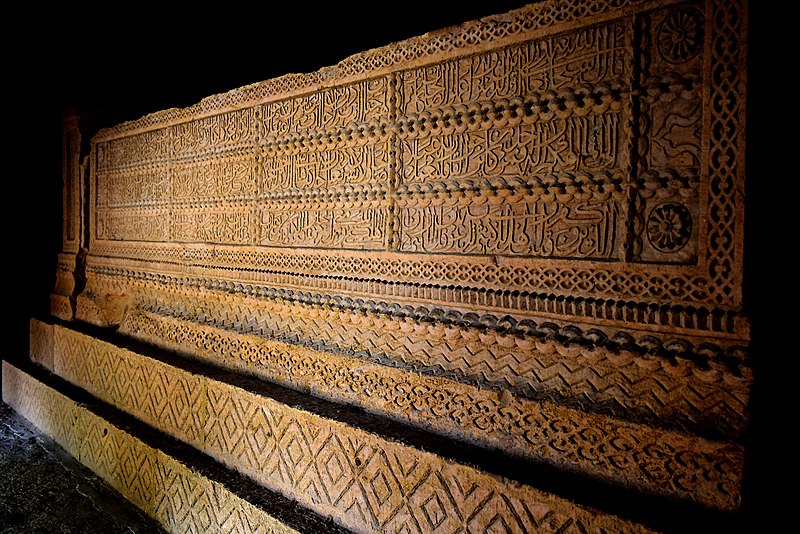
x: 364, y: 481
x: 180, y: 499
x: 523, y: 232
x: 70, y: 268
x: 49, y: 411
x: 44, y: 489
x: 41, y: 343
x: 612, y: 449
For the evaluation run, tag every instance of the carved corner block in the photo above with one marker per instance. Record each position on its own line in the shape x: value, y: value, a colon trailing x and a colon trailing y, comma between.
x: 61, y: 304
x: 53, y: 413
x: 41, y: 343
x: 105, y: 309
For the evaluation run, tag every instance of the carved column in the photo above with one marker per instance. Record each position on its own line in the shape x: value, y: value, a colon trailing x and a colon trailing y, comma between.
x: 69, y: 273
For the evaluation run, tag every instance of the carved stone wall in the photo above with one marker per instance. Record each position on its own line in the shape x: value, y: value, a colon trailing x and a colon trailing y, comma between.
x: 523, y: 232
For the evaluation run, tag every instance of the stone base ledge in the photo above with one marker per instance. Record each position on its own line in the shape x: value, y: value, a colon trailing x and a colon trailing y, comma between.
x: 179, y: 496
x: 319, y: 453
x: 670, y: 463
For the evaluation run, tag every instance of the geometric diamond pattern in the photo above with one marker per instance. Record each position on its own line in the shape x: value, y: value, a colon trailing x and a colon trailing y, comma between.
x: 429, y: 507
x: 41, y: 343
x: 175, y: 496
x: 184, y: 502
x: 596, y: 444
x: 57, y: 417
x: 145, y: 388
x: 363, y: 481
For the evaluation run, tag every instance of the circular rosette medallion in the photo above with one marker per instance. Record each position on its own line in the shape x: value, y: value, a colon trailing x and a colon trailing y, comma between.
x: 680, y: 36
x: 669, y: 227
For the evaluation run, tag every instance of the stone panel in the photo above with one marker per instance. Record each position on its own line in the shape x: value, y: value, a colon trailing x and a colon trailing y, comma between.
x: 676, y: 464
x: 52, y: 413
x: 567, y: 143
x: 147, y: 389
x: 41, y: 343
x: 124, y: 462
x: 522, y: 362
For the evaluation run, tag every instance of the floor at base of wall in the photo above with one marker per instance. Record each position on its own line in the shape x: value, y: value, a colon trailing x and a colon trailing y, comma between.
x: 44, y: 489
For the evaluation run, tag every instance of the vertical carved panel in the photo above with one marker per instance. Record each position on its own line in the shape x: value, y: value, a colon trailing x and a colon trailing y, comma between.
x: 725, y: 128
x: 69, y: 271
x: 670, y: 170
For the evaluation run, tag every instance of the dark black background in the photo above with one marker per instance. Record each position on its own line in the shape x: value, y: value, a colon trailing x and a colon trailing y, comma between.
x: 124, y: 61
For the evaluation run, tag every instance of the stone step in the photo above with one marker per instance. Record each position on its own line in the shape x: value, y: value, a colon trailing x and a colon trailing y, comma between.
x: 366, y: 473
x: 165, y: 478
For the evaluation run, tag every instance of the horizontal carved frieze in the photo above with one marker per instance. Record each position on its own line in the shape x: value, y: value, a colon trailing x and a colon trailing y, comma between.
x: 608, y: 449
x: 616, y: 298
x: 179, y: 497
x: 568, y: 438
x: 535, y: 361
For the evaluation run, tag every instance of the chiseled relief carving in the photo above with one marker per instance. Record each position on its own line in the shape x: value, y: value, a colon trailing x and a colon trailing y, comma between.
x: 672, y: 129
x: 311, y: 224
x: 513, y: 223
x: 578, y: 145
x: 580, y: 230
x: 538, y: 207
x: 584, y: 56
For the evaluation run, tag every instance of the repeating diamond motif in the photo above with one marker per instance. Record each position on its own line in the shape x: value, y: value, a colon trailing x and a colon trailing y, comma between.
x: 363, y: 481
x: 604, y: 446
x: 177, y: 497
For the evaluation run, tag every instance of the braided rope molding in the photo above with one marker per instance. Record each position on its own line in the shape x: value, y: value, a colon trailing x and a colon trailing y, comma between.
x: 562, y: 187
x: 725, y: 120
x: 674, y: 392
x: 705, y: 471
x: 694, y: 320
x: 66, y: 262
